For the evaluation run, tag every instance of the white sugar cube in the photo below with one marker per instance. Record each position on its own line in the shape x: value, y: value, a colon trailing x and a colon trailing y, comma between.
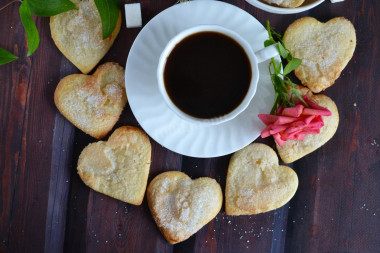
x: 133, y: 15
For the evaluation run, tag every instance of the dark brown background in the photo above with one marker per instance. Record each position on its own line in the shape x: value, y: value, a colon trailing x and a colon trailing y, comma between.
x: 44, y: 205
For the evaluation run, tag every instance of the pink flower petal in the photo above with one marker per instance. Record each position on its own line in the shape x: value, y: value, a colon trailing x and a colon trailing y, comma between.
x: 312, y: 104
x: 293, y: 111
x: 309, y: 111
x: 300, y: 136
x: 278, y: 139
x: 316, y: 131
x: 291, y: 130
x: 316, y: 125
x: 294, y: 122
x: 265, y: 133
x: 277, y: 129
x: 279, y: 110
x: 309, y: 119
x: 282, y: 120
x: 299, y: 123
x: 267, y: 118
x: 292, y: 135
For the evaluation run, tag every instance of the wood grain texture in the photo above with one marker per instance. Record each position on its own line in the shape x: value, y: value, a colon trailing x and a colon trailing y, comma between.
x: 44, y: 206
x: 61, y: 160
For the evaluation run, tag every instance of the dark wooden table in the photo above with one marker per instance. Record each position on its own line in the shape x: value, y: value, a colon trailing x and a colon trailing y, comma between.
x: 44, y: 206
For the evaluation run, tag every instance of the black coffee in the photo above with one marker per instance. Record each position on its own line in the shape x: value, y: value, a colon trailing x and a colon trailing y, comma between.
x: 207, y: 75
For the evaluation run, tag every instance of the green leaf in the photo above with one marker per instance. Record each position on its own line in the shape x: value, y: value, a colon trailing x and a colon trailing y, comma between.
x: 47, y: 8
x: 292, y: 65
x: 269, y: 30
x: 276, y: 35
x: 279, y: 66
x: 289, y: 82
x: 6, y: 56
x: 109, y: 13
x: 295, y: 92
x: 267, y: 43
x: 283, y: 52
x: 281, y: 84
x: 274, y: 107
x: 32, y: 35
x: 273, y: 62
x: 276, y: 67
x: 290, y: 57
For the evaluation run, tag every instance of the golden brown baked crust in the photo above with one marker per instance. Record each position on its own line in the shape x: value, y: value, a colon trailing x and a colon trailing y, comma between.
x: 119, y: 167
x: 181, y: 206
x: 325, y: 49
x: 293, y: 150
x: 78, y: 35
x: 93, y: 103
x: 285, y: 3
x: 256, y: 183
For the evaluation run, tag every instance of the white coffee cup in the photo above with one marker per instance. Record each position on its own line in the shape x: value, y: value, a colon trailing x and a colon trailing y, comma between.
x: 254, y: 58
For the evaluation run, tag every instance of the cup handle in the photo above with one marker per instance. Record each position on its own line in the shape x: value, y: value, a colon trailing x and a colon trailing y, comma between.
x: 266, y: 53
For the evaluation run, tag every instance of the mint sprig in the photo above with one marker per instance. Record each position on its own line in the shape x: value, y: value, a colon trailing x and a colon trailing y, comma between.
x: 280, y: 80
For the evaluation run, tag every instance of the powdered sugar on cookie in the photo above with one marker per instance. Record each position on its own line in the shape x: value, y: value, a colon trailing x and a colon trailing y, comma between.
x: 182, y: 206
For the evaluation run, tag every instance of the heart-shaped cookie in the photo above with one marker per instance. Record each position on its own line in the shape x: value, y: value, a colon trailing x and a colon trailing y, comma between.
x: 181, y: 206
x: 285, y: 3
x: 119, y: 167
x: 78, y: 35
x: 93, y: 103
x: 256, y: 183
x: 293, y: 150
x: 325, y: 49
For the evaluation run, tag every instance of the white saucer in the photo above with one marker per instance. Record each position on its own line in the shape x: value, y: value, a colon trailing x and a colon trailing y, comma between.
x: 149, y: 108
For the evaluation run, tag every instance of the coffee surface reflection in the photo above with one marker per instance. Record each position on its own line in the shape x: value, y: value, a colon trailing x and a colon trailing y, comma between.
x: 207, y: 75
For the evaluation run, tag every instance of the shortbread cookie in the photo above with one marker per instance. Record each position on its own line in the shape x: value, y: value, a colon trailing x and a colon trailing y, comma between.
x: 181, y: 206
x: 78, y: 35
x: 293, y: 150
x: 119, y: 167
x: 324, y: 48
x: 285, y: 3
x: 93, y: 103
x: 256, y: 183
